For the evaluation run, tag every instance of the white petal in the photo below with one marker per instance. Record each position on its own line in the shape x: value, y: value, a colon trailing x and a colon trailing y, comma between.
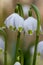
x: 10, y: 20
x: 19, y: 21
x: 17, y: 63
x: 28, y: 25
x: 2, y: 43
x: 34, y: 23
x: 40, y: 47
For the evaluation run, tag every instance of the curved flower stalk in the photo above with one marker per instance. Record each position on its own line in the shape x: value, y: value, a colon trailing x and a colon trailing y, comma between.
x: 30, y: 12
x: 37, y: 32
x: 39, y: 49
x: 2, y: 32
x: 19, y: 10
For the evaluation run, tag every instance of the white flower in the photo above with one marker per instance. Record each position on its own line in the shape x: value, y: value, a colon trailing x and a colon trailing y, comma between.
x: 2, y: 43
x: 14, y: 20
x: 30, y: 25
x: 39, y: 49
x: 17, y: 63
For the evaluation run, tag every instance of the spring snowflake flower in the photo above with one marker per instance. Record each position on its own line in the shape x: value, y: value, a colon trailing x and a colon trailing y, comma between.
x: 2, y: 42
x: 39, y: 49
x: 14, y: 21
x: 17, y: 63
x: 30, y: 25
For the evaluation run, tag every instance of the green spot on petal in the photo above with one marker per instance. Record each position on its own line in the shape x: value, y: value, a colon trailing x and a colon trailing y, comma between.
x: 30, y: 32
x: 20, y: 29
x: 10, y: 27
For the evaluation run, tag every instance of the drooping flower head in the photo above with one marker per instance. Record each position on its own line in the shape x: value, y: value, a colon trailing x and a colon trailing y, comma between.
x: 30, y: 25
x: 14, y: 21
x: 39, y: 48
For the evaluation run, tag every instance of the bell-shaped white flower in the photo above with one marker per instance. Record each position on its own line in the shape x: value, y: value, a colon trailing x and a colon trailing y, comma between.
x: 14, y: 21
x: 30, y: 25
x: 2, y: 43
x: 17, y: 63
x: 39, y: 49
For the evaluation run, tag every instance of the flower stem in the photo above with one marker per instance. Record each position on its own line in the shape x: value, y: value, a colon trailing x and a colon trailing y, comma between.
x: 30, y: 12
x: 19, y: 9
x: 2, y: 32
x: 37, y: 32
x: 16, y: 49
x: 21, y: 56
x: 17, y: 45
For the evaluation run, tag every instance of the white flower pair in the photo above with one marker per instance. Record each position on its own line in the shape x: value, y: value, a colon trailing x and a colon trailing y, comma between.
x: 15, y: 21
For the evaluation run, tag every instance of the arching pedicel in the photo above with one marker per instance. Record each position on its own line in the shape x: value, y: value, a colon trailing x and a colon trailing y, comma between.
x: 37, y: 32
x: 19, y: 10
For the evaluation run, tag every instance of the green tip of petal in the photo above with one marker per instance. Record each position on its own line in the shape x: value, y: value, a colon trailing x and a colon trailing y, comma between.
x: 30, y: 32
x: 20, y: 29
x: 12, y: 28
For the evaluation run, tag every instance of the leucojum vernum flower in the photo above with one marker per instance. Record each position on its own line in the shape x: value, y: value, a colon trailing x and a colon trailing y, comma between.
x: 16, y: 21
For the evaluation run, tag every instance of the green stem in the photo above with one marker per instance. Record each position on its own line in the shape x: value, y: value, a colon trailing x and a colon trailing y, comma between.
x: 37, y: 32
x: 19, y: 9
x: 17, y: 47
x: 30, y: 12
x: 2, y: 32
x: 21, y: 57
